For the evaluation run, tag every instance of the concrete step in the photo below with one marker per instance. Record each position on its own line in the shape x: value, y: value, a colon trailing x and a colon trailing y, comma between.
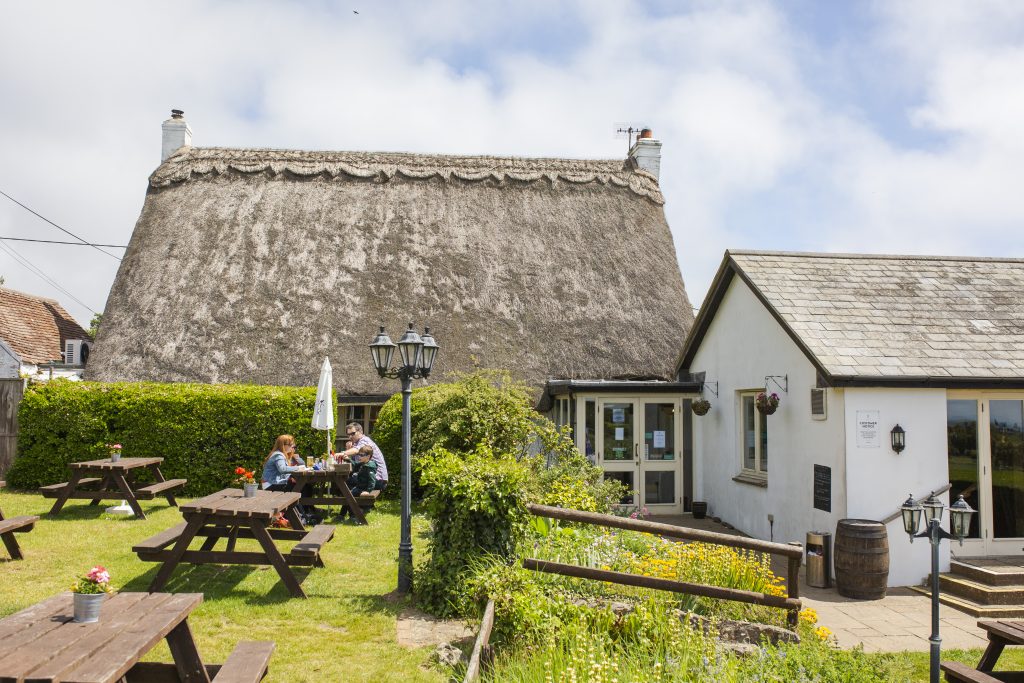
x: 992, y: 575
x: 981, y: 593
x: 973, y: 608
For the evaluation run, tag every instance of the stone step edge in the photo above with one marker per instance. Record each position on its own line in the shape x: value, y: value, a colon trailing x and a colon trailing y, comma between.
x: 986, y: 576
x: 967, y: 589
x: 973, y: 608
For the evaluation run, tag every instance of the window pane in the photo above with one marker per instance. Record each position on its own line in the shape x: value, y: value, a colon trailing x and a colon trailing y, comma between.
x: 749, y: 444
x: 627, y: 479
x: 659, y: 431
x: 764, y: 441
x: 590, y: 437
x: 659, y: 487
x: 1006, y: 421
x: 618, y: 431
x: 962, y: 437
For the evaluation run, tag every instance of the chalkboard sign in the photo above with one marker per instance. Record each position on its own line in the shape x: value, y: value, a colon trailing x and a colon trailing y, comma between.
x: 823, y: 488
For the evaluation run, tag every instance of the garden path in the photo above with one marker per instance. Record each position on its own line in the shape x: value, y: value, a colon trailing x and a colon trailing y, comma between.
x: 900, y: 621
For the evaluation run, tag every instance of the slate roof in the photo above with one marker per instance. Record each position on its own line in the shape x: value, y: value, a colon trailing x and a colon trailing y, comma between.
x: 937, y: 320
x: 34, y: 327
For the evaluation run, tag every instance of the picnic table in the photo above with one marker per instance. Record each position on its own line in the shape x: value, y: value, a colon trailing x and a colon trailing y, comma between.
x: 8, y: 527
x: 322, y: 480
x: 43, y: 643
x: 113, y: 481
x: 1001, y: 632
x: 229, y: 515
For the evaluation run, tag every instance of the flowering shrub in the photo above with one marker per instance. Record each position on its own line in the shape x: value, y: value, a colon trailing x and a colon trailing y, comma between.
x: 767, y: 403
x: 244, y: 476
x: 95, y: 582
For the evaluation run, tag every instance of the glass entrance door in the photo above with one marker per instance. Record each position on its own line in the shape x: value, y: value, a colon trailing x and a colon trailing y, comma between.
x: 986, y: 465
x: 639, y: 445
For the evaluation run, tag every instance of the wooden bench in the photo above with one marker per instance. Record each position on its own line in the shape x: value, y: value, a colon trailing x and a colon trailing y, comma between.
x: 159, y: 488
x: 955, y: 671
x: 160, y: 540
x: 8, y: 527
x: 367, y: 499
x: 247, y: 663
x: 313, y: 542
x: 53, y: 490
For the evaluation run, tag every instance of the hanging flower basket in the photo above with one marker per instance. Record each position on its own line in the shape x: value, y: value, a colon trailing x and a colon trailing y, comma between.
x: 700, y: 406
x: 767, y: 404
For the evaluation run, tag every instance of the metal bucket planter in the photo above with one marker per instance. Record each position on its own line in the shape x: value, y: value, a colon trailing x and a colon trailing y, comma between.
x: 87, y: 607
x: 115, y: 456
x: 249, y: 490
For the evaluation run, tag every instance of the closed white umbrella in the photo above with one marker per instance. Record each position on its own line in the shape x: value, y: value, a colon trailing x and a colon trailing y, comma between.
x: 323, y: 412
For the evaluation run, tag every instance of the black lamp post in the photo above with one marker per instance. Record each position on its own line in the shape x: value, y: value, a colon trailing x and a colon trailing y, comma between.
x: 416, y: 355
x: 960, y: 522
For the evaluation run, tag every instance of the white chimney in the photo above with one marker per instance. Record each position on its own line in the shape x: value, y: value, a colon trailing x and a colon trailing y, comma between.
x: 177, y: 134
x: 646, y: 152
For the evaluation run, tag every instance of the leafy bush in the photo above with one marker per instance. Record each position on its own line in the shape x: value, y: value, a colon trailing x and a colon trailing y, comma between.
x: 203, y: 432
x: 477, y: 503
x: 489, y: 409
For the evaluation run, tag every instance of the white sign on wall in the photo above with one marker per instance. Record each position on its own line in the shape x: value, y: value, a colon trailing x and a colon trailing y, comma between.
x: 867, y: 429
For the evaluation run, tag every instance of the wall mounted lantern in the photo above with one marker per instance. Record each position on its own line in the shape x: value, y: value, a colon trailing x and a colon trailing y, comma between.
x: 899, y: 439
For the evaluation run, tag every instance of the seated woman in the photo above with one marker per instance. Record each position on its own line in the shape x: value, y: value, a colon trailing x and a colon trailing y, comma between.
x: 278, y: 467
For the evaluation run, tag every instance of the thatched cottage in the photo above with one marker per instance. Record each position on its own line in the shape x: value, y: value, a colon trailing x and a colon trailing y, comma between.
x: 251, y: 265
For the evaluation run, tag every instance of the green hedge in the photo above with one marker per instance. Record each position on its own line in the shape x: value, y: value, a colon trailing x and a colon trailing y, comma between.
x: 202, y: 431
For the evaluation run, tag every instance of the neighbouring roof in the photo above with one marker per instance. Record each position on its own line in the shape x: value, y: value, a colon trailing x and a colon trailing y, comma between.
x: 34, y: 327
x: 887, y: 320
x: 251, y: 265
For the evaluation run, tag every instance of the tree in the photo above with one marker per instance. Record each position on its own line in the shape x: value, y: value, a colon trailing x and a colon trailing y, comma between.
x: 94, y: 324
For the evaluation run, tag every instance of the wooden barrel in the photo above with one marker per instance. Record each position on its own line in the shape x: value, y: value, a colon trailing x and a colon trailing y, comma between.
x: 861, y: 559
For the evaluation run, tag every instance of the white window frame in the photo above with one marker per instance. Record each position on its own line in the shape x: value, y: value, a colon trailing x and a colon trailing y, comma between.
x: 757, y: 472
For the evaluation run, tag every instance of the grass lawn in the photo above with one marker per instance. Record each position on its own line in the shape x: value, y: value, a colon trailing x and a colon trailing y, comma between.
x: 1012, y: 659
x: 344, y: 631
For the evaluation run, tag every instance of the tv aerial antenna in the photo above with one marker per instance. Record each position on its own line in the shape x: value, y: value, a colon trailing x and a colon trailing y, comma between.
x: 631, y: 131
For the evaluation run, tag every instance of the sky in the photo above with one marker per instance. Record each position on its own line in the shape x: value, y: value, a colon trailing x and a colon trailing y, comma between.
x: 870, y: 127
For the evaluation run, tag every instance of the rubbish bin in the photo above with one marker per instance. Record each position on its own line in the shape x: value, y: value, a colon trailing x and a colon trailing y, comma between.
x: 819, y: 559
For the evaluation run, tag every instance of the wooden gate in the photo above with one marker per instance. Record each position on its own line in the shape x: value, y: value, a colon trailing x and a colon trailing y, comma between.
x: 11, y: 391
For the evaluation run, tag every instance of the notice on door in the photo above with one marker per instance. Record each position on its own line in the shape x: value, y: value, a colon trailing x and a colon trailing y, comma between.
x: 659, y: 439
x: 618, y: 415
x: 867, y: 429
x: 620, y: 433
x: 823, y: 488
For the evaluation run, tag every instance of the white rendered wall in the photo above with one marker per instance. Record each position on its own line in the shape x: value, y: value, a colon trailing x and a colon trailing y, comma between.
x: 743, y: 344
x: 879, y: 480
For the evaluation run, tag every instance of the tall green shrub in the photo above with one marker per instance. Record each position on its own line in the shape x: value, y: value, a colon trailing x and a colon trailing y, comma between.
x: 477, y: 502
x: 202, y: 431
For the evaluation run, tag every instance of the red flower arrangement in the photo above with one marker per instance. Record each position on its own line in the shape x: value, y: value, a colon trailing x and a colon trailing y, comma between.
x: 244, y: 476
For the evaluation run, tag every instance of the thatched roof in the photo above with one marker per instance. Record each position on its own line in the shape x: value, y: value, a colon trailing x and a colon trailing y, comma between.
x: 36, y: 328
x: 251, y: 265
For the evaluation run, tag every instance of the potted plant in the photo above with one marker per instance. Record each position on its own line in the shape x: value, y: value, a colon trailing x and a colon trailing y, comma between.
x: 90, y: 591
x: 700, y: 406
x: 767, y: 404
x: 115, y: 451
x: 247, y: 478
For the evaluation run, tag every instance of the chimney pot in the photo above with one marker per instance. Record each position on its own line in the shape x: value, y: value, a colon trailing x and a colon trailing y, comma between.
x: 646, y: 153
x: 176, y: 134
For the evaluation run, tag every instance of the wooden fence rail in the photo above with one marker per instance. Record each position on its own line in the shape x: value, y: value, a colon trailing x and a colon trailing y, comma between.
x: 479, y: 647
x: 792, y: 552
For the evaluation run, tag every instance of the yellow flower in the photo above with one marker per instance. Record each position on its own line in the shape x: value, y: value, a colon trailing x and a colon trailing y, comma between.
x: 809, y: 616
x: 823, y: 632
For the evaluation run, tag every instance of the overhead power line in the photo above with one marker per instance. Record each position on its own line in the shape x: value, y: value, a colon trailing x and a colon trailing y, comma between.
x: 49, y: 280
x: 74, y: 244
x: 39, y: 215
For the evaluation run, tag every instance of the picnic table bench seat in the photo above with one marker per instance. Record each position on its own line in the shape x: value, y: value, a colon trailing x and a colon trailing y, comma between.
x: 161, y: 540
x: 313, y: 541
x: 247, y: 663
x: 962, y: 673
x: 20, y: 524
x: 367, y: 499
x: 53, y: 490
x: 153, y: 490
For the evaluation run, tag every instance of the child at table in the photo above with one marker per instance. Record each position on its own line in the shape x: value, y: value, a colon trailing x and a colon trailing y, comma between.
x: 365, y: 479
